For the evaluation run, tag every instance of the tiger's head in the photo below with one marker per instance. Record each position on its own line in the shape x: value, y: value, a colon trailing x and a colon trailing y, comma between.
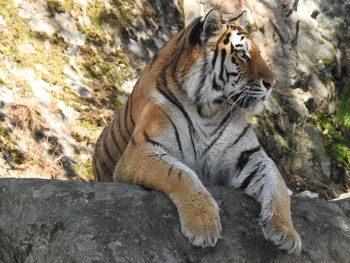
x: 227, y: 70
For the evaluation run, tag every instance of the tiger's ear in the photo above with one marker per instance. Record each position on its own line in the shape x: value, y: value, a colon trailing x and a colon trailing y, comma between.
x: 211, y: 25
x: 241, y: 19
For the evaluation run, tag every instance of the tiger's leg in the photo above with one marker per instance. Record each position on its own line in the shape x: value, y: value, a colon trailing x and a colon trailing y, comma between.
x: 260, y: 178
x: 150, y: 165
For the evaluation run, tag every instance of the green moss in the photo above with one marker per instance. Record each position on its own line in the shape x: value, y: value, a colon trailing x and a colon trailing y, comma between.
x: 17, y: 156
x: 275, y: 37
x: 4, y: 133
x: 59, y: 6
x: 335, y: 140
x: 119, y: 15
x: 251, y: 27
x: 10, y: 147
x: 84, y: 168
x: 282, y: 143
x: 343, y: 113
x: 327, y: 61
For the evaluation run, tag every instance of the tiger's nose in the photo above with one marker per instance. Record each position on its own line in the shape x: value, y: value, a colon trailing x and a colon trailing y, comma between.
x: 267, y: 84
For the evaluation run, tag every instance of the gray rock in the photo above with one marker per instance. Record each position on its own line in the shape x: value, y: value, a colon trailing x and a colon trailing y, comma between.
x: 38, y: 15
x: 60, y: 221
x: 69, y: 30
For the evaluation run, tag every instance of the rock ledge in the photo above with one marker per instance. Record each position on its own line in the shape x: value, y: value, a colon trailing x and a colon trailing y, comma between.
x: 61, y: 221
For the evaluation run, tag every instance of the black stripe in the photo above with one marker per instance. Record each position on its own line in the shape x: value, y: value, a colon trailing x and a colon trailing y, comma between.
x: 220, y: 99
x: 199, y: 110
x: 215, y: 56
x: 121, y: 132
x: 198, y: 95
x: 177, y: 62
x: 260, y: 191
x: 233, y: 60
x: 231, y: 49
x: 241, y: 76
x: 223, y: 56
x: 215, y: 139
x: 179, y: 176
x: 239, y: 137
x: 246, y: 58
x: 131, y: 97
x: 114, y: 138
x: 104, y: 167
x: 248, y: 179
x: 262, y: 176
x: 109, y: 155
x: 216, y: 86
x: 227, y: 39
x: 168, y: 95
x: 96, y: 170
x: 244, y: 158
x: 235, y: 74
x: 151, y: 141
x: 224, y: 120
x: 170, y: 170
x: 126, y: 118
x: 239, y: 97
x: 181, y: 34
x: 238, y: 45
x: 177, y: 136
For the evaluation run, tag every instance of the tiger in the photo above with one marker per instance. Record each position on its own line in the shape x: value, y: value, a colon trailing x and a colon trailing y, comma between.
x: 187, y: 124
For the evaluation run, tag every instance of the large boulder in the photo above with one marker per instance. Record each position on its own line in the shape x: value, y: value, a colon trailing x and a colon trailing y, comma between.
x: 58, y: 221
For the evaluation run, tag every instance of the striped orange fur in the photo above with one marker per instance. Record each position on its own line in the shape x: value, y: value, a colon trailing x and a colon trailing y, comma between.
x: 185, y: 125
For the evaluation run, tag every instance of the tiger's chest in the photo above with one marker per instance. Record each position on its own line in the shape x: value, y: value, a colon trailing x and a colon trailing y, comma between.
x: 212, y: 151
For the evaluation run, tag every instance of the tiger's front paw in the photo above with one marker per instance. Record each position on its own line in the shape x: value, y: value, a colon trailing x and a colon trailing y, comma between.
x: 200, y: 222
x: 282, y: 235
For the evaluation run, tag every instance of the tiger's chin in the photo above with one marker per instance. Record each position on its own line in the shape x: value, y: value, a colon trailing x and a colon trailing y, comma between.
x: 256, y: 108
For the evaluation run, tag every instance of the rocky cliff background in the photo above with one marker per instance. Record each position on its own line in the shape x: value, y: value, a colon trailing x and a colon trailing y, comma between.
x: 66, y: 66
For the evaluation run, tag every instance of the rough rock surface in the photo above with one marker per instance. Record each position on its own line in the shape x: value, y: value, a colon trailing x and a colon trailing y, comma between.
x: 60, y: 221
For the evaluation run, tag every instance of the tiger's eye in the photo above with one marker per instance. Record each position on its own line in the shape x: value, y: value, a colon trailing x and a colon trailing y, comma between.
x: 241, y: 53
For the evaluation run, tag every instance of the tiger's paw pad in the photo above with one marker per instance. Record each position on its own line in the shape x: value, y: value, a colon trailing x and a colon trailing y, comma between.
x: 284, y: 237
x: 202, y: 228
